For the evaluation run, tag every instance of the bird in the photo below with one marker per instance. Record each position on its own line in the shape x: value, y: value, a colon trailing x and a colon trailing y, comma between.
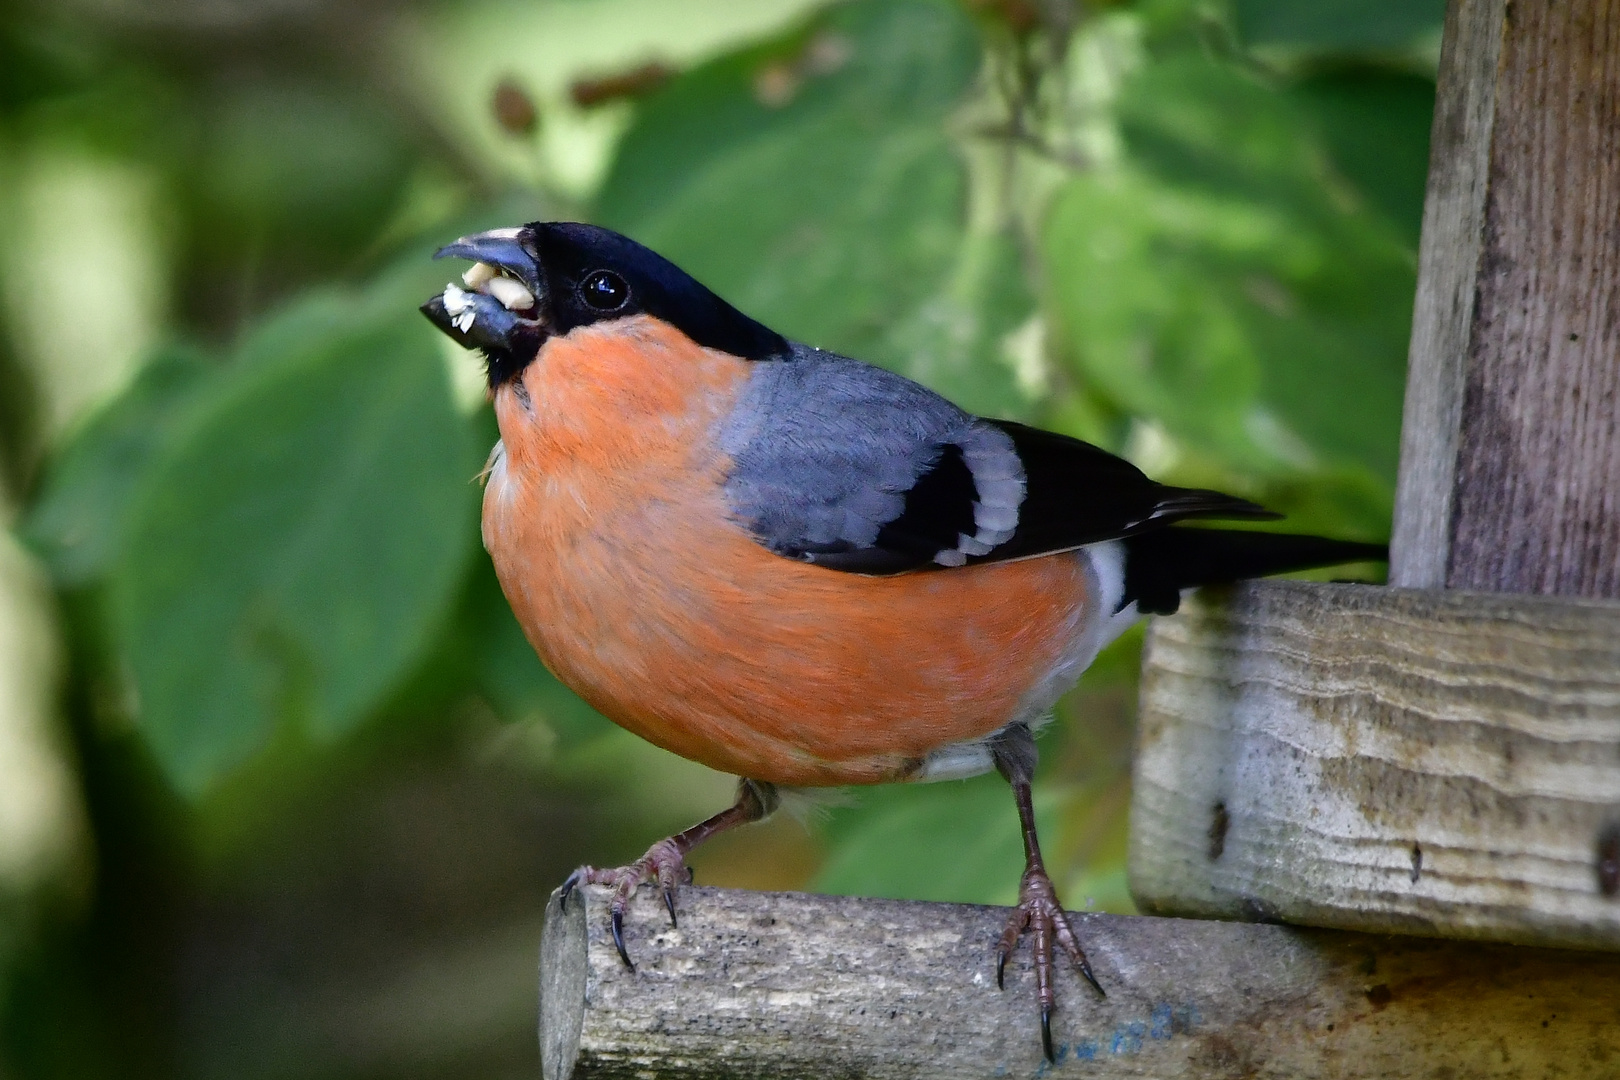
x: 798, y: 568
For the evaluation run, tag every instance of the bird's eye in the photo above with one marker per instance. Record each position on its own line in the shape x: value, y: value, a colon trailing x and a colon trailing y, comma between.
x: 604, y: 290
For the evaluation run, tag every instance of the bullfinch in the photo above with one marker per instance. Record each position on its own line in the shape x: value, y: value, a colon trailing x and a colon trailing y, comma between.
x: 796, y: 567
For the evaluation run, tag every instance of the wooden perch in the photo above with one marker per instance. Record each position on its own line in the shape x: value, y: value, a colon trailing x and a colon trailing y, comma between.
x: 792, y: 985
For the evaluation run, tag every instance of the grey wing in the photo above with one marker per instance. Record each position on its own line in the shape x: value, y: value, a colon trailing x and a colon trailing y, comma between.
x: 843, y: 464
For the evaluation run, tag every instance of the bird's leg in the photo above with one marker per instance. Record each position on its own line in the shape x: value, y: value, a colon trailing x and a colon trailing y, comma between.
x: 665, y: 860
x: 1038, y: 910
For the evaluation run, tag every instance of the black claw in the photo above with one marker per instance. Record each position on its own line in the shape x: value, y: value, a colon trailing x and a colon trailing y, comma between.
x: 568, y: 888
x: 617, y: 921
x: 1001, y: 970
x: 669, y: 902
x: 1085, y: 969
x: 691, y: 876
x: 1046, y: 1035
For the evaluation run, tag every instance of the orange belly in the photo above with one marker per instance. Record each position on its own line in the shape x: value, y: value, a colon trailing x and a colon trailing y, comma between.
x: 608, y: 529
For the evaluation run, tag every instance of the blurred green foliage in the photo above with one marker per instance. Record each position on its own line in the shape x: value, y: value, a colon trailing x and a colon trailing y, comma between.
x: 1220, y: 284
x: 1338, y: 24
x: 325, y: 784
x: 295, y: 547
x: 826, y: 155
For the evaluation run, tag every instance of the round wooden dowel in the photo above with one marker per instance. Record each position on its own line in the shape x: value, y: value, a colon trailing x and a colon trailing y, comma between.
x: 791, y: 985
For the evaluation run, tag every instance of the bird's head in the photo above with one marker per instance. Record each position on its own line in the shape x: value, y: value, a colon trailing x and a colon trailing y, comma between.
x: 530, y: 284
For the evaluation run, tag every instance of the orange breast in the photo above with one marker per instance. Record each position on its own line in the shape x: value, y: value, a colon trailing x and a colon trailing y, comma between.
x: 608, y: 528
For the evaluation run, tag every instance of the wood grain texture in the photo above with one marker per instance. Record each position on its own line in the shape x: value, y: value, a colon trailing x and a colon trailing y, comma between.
x: 1511, y: 439
x: 791, y: 985
x: 1383, y: 759
x: 1538, y: 467
x: 1443, y: 313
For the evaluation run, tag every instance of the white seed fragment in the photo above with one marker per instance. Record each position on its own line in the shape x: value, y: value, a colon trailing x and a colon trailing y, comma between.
x: 456, y: 300
x: 458, y: 304
x: 478, y: 274
x: 510, y: 293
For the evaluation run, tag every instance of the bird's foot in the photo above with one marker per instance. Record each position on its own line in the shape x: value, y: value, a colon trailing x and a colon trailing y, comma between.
x: 1039, y: 912
x: 664, y: 864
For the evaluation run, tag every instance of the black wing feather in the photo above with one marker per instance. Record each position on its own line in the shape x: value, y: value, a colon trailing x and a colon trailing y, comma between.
x: 1159, y: 564
x: 858, y: 469
x: 939, y: 508
x: 1080, y: 494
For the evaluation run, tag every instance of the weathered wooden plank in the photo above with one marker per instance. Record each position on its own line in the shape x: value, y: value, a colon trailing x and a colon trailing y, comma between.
x: 1443, y: 314
x: 791, y: 985
x: 1511, y: 442
x: 1383, y: 759
x: 1537, y: 475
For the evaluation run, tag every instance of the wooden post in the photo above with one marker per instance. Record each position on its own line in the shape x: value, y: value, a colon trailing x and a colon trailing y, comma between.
x: 1510, y: 451
x: 789, y: 985
x: 1441, y: 762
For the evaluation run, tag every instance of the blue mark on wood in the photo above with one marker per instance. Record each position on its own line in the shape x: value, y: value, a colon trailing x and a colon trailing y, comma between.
x: 1165, y: 1020
x: 1128, y: 1038
x: 1168, y: 1020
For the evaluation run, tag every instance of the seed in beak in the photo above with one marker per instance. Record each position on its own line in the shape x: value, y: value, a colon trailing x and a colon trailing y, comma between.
x: 512, y: 295
x: 478, y: 274
x: 459, y: 306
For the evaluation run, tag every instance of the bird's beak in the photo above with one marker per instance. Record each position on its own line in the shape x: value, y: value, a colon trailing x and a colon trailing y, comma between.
x: 500, y: 304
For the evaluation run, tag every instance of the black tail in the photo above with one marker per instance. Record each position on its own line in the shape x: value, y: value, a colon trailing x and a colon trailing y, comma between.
x: 1159, y: 564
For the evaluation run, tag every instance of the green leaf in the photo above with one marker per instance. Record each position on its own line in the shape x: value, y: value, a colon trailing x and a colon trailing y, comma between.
x: 810, y: 181
x: 1219, y: 284
x: 76, y: 524
x: 297, y: 162
x: 320, y: 314
x: 955, y: 841
x: 1375, y: 123
x: 956, y: 340
x: 295, y: 548
x: 1337, y: 25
